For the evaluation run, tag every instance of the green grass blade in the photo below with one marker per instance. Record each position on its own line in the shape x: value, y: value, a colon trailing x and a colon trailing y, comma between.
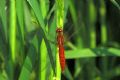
x: 114, y: 51
x: 43, y: 49
x: 39, y: 16
x: 12, y: 32
x: 3, y: 16
x: 48, y: 48
x: 44, y: 5
x: 116, y: 4
x: 85, y: 53
x: 30, y: 60
x: 28, y: 23
x: 67, y: 74
x: 20, y: 15
x: 73, y: 12
x: 52, y: 37
x: 74, y: 54
x: 50, y: 54
x: 66, y: 6
x: 26, y: 70
x: 43, y: 60
x: 38, y: 13
x: 3, y: 75
x: 50, y: 12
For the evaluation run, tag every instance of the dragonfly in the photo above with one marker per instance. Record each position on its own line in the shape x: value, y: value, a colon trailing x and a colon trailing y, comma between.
x: 59, y: 40
x: 60, y: 43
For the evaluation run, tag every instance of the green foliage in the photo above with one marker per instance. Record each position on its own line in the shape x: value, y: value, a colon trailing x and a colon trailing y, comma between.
x: 28, y: 26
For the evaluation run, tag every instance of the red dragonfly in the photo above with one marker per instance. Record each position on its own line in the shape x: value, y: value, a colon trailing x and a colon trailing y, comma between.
x: 60, y: 42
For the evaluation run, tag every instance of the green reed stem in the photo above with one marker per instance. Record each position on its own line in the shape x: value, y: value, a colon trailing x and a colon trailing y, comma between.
x: 12, y: 36
x: 92, y: 31
x: 103, y: 23
x: 92, y: 19
x: 60, y: 23
x: 104, y: 63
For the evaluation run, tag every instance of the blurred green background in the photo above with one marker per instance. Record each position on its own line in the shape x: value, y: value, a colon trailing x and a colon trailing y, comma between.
x: 28, y: 49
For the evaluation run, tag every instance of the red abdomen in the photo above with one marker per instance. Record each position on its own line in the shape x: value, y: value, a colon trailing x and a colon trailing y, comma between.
x: 62, y: 57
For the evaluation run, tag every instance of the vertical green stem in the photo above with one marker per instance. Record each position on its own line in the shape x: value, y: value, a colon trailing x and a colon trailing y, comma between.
x: 92, y: 31
x: 104, y: 60
x: 92, y: 19
x: 102, y: 20
x: 74, y: 16
x: 60, y: 22
x: 60, y: 12
x: 43, y: 61
x: 12, y: 36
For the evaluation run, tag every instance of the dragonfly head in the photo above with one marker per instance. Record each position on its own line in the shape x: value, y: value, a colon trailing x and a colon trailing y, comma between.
x: 58, y: 30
